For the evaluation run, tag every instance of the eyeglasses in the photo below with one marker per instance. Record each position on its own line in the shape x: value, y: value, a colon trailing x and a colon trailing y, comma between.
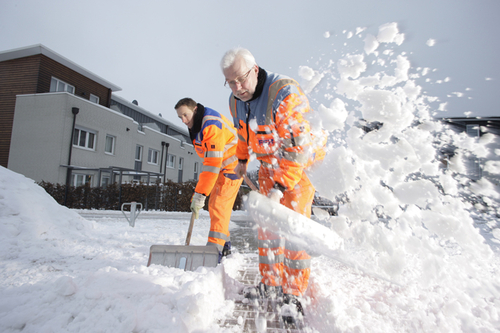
x: 239, y: 80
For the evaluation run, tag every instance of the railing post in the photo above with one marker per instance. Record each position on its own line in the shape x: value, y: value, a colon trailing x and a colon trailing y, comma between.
x: 134, y: 212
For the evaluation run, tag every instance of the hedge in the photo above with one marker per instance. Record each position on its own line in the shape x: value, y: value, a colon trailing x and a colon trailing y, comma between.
x: 167, y: 196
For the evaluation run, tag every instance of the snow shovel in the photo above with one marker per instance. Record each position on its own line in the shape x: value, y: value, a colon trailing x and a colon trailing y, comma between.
x: 186, y: 257
x: 297, y: 228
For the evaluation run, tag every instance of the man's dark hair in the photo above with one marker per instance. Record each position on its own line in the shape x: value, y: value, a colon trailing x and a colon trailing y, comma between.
x: 189, y: 102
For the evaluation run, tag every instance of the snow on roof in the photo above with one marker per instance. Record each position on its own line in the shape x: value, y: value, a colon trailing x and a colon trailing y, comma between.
x: 41, y: 49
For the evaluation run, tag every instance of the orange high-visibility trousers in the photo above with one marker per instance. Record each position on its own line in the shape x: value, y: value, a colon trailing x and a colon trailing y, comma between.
x: 220, y: 206
x: 282, y: 263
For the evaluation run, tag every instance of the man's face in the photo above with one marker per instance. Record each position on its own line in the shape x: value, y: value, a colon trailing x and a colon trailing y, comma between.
x: 241, y: 79
x: 186, y: 115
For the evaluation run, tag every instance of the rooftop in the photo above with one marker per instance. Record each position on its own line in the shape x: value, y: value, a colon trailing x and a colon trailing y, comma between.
x: 41, y: 49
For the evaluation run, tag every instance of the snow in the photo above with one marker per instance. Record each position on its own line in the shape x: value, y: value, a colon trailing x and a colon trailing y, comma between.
x: 402, y: 215
x: 431, y: 42
x: 64, y: 273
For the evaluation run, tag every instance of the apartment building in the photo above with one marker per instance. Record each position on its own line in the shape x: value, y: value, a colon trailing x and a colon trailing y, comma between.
x: 60, y: 123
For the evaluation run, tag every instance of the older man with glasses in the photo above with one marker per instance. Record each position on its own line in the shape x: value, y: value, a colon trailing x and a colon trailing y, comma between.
x: 268, y: 111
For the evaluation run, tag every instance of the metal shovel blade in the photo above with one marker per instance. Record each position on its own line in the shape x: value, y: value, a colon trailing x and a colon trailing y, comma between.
x: 187, y: 258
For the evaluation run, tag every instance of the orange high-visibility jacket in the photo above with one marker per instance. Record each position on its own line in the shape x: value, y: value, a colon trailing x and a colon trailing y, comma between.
x: 216, y: 144
x: 273, y: 127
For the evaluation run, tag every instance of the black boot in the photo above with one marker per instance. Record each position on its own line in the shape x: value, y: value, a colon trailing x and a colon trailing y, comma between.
x: 263, y: 291
x: 226, y: 250
x: 292, y: 312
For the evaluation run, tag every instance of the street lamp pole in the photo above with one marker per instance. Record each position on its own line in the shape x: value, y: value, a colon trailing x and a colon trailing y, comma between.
x: 69, y: 170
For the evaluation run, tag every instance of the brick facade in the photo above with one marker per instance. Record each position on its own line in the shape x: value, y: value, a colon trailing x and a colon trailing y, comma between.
x: 32, y: 75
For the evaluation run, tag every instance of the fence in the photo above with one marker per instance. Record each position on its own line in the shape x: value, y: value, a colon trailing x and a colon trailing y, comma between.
x: 167, y: 196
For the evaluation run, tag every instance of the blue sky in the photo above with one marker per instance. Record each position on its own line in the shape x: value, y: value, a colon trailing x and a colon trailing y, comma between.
x: 161, y: 51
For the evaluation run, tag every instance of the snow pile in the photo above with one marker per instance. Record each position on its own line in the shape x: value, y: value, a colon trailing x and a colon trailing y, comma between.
x: 63, y: 273
x: 37, y: 218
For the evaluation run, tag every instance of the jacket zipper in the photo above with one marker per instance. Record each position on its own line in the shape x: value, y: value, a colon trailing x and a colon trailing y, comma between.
x: 248, y: 118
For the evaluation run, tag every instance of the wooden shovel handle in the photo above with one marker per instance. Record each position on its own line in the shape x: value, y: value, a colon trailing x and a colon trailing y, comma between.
x: 191, y: 223
x: 190, y: 230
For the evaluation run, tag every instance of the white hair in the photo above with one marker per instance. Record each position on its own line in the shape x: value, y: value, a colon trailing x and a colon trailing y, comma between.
x: 231, y: 55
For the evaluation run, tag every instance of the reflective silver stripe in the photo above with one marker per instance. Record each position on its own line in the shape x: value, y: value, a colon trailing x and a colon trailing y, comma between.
x: 228, y: 161
x: 231, y: 144
x: 269, y: 165
x: 301, y: 158
x: 219, y: 247
x: 242, y: 138
x: 219, y: 235
x: 302, y: 140
x: 261, y: 155
x: 273, y: 91
x: 297, y: 264
x: 230, y: 127
x: 206, y: 118
x: 232, y: 106
x: 209, y: 168
x: 271, y: 243
x: 287, y: 142
x: 214, y: 153
x: 271, y: 260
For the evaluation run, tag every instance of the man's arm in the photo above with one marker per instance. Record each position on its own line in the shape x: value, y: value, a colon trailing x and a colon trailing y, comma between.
x: 296, y: 143
x: 213, y: 144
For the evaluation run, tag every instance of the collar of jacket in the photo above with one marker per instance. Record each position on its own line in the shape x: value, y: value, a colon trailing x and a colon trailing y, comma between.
x: 198, y: 120
x: 261, y: 79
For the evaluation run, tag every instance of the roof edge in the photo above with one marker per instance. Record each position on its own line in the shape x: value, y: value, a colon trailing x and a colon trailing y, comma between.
x: 28, y: 51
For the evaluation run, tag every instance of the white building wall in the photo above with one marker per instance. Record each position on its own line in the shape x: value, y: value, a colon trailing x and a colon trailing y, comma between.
x: 42, y: 131
x: 38, y: 145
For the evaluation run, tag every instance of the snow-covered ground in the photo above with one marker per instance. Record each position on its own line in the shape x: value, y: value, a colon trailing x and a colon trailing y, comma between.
x: 60, y: 272
x: 403, y: 217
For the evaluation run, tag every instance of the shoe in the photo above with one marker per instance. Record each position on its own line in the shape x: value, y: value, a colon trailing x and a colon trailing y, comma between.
x: 225, y: 251
x: 292, y: 312
x: 263, y: 291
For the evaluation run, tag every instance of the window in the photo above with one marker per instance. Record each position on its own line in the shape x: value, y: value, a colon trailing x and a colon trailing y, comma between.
x: 171, y: 161
x: 94, y: 99
x: 195, y: 170
x: 79, y: 180
x: 473, y: 130
x: 105, y: 181
x: 84, y: 139
x: 138, y: 153
x: 110, y: 144
x: 153, y: 156
x: 58, y: 85
x: 138, y: 160
x: 181, y: 163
